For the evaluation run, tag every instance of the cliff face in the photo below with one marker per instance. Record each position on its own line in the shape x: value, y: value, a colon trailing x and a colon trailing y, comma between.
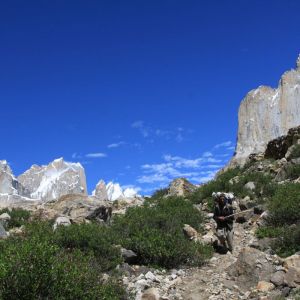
x: 268, y: 113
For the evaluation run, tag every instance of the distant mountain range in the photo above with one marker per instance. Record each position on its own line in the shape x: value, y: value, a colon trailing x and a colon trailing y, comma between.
x: 53, y: 181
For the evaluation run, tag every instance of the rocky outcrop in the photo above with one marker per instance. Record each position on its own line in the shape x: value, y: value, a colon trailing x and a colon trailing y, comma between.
x: 278, y: 148
x: 8, y: 183
x: 181, y: 187
x: 268, y: 113
x: 54, y: 180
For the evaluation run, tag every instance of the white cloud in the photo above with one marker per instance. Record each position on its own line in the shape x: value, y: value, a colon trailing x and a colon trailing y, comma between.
x: 198, y: 170
x: 207, y: 154
x: 224, y: 144
x: 115, y: 145
x: 96, y: 155
x: 141, y: 127
x: 75, y: 155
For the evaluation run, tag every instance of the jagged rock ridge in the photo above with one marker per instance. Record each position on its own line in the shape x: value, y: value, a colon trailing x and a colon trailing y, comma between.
x: 267, y: 113
x: 54, y: 180
x: 113, y: 191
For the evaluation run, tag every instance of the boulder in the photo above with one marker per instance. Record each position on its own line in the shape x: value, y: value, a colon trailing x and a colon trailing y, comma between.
x: 250, y: 186
x: 190, y: 232
x: 151, y: 294
x: 101, y: 213
x: 278, y: 278
x: 61, y: 221
x: 251, y: 267
x: 292, y: 277
x: 264, y: 286
x: 4, y: 219
x: 292, y: 261
x: 129, y: 256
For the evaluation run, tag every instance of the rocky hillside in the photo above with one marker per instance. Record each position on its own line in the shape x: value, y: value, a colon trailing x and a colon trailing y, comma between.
x: 267, y: 113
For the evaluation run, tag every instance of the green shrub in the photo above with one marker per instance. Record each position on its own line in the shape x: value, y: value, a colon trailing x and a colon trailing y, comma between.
x: 288, y: 242
x: 160, y: 193
x: 292, y: 172
x: 269, y: 231
x: 90, y: 238
x: 32, y: 267
x: 154, y: 232
x: 221, y: 183
x: 263, y: 186
x: 284, y: 206
x: 295, y: 152
x: 18, y: 216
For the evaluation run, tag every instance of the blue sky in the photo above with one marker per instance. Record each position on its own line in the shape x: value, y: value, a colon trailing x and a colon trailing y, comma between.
x: 139, y: 92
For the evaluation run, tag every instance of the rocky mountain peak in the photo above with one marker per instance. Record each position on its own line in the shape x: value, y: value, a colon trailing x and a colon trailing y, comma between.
x: 56, y: 179
x: 267, y: 113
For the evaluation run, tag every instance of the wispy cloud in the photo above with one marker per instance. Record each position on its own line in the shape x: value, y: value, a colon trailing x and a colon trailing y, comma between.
x: 151, y: 132
x: 144, y: 130
x: 75, y: 155
x: 96, y: 155
x: 115, y: 145
x: 224, y: 144
x: 198, y: 170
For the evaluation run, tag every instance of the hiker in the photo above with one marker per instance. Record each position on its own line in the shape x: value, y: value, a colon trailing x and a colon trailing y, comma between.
x: 223, y: 209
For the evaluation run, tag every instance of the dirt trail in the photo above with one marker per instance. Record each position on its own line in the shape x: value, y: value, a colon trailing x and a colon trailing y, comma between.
x: 211, y: 282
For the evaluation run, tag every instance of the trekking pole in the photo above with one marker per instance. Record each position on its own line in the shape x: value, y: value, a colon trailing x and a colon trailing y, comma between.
x: 241, y: 212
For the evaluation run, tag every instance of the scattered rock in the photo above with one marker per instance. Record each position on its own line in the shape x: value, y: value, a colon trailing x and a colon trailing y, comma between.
x: 292, y: 277
x: 150, y: 294
x: 190, y: 232
x: 61, y: 221
x: 292, y: 261
x: 129, y: 256
x: 250, y: 186
x: 278, y: 278
x: 4, y: 219
x: 264, y: 286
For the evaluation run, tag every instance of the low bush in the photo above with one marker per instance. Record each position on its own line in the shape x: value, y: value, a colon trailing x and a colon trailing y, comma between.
x: 18, y: 216
x: 288, y: 242
x: 221, y: 183
x: 154, y: 232
x: 264, y: 187
x: 295, y: 152
x: 292, y: 172
x: 160, y: 193
x: 284, y: 206
x: 90, y: 238
x: 269, y: 231
x: 36, y: 267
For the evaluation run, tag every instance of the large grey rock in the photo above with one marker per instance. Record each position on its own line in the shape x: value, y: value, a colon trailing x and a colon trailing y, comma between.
x: 78, y: 208
x: 250, y: 268
x: 278, y: 278
x: 54, y: 180
x: 266, y: 114
x: 61, y: 221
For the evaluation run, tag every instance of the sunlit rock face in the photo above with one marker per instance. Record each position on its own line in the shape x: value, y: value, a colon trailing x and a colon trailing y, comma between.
x: 267, y: 113
x: 54, y: 180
